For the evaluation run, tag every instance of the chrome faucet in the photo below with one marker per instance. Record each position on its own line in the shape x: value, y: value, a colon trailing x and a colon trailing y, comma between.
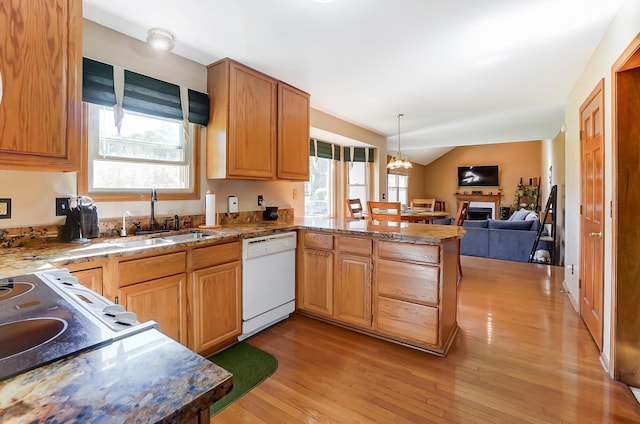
x: 154, y: 199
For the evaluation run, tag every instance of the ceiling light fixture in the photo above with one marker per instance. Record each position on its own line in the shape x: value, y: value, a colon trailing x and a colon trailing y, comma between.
x: 398, y: 161
x: 160, y: 39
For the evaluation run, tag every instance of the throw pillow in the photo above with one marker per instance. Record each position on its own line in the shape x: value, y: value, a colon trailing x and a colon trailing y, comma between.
x: 513, y: 225
x: 531, y: 216
x: 519, y: 215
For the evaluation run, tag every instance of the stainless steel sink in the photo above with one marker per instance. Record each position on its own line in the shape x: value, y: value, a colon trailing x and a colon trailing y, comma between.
x: 187, y: 237
x: 143, y: 243
x: 21, y: 336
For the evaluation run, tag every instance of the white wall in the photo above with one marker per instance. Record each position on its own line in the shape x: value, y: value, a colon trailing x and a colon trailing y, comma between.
x: 622, y: 31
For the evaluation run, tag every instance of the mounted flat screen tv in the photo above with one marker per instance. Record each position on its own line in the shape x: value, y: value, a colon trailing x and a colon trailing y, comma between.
x: 478, y: 176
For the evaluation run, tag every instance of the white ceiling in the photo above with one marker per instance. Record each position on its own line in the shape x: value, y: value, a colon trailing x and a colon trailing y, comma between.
x: 462, y: 71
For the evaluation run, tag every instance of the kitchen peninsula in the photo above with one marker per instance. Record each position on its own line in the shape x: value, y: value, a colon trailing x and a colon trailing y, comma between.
x: 396, y: 281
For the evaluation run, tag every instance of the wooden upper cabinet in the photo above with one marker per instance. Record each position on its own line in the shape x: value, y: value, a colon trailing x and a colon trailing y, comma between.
x: 293, y: 133
x: 258, y: 127
x: 41, y: 74
x: 241, y: 135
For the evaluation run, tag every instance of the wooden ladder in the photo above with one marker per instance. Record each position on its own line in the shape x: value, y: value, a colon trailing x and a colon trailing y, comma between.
x: 549, y: 212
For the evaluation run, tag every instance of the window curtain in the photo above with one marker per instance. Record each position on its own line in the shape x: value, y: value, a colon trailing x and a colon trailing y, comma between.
x: 360, y: 154
x: 141, y: 93
x: 97, y: 83
x: 151, y: 96
x: 198, y: 107
x: 324, y: 150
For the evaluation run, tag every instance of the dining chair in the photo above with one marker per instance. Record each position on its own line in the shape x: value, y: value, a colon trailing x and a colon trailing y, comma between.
x: 355, y: 208
x: 423, y: 204
x: 461, y: 215
x: 384, y: 211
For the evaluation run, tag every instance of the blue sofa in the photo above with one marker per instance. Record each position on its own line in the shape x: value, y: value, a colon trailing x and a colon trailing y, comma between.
x: 508, y: 240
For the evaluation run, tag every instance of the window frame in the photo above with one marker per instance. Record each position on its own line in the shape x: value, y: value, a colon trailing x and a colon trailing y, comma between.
x: 83, y: 175
x: 397, y: 186
x: 369, y: 170
x: 332, y: 194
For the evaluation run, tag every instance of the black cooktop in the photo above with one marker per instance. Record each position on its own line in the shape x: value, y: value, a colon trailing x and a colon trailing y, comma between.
x: 38, y: 326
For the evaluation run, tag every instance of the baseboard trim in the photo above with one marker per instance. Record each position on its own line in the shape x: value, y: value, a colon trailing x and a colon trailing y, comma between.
x: 574, y: 302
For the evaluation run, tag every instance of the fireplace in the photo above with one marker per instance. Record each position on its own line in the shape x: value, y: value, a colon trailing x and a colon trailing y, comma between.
x: 480, y: 213
x: 486, y: 204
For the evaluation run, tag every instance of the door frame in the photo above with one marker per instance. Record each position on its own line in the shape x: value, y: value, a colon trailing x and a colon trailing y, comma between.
x: 624, y: 62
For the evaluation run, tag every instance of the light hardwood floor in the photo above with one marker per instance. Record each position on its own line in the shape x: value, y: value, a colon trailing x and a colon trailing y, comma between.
x: 522, y: 355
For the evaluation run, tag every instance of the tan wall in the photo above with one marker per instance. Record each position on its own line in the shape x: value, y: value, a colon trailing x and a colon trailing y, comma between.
x: 515, y: 160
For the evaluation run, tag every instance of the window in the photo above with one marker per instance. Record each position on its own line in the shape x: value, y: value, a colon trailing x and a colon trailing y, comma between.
x: 318, y: 191
x: 153, y: 148
x: 397, y: 188
x: 357, y: 177
x: 147, y: 152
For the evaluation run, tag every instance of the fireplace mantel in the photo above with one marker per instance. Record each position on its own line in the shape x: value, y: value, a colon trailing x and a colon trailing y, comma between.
x: 494, y: 198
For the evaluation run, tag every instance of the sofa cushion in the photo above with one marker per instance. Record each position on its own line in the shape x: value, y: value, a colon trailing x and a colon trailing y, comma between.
x: 519, y: 215
x: 476, y: 223
x: 510, y: 225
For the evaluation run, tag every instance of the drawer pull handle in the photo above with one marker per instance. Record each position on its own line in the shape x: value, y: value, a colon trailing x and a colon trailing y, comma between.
x: 598, y: 234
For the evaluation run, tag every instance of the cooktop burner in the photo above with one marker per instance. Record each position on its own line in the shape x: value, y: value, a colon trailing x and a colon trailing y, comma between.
x: 41, y: 323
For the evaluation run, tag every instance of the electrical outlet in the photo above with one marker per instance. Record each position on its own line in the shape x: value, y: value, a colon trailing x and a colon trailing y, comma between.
x: 5, y: 208
x: 62, y: 206
x: 260, y: 200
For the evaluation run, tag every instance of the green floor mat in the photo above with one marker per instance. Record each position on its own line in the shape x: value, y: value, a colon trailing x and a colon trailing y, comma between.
x: 249, y: 365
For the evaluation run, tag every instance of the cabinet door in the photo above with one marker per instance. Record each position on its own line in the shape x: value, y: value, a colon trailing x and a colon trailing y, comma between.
x: 317, y: 281
x: 252, y: 124
x: 216, y: 306
x: 41, y: 84
x: 90, y: 278
x: 352, y: 290
x: 293, y: 133
x: 162, y: 300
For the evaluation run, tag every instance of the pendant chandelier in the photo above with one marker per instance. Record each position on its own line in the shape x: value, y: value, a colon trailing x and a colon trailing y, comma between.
x: 398, y: 161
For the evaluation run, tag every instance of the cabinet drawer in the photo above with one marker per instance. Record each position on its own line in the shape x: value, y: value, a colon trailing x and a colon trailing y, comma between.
x: 407, y: 320
x: 412, y: 282
x: 205, y: 257
x: 318, y: 241
x: 139, y: 270
x: 359, y: 246
x: 409, y: 252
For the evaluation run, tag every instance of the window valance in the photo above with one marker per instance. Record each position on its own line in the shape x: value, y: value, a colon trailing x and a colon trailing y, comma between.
x: 97, y: 83
x: 141, y: 93
x: 329, y: 150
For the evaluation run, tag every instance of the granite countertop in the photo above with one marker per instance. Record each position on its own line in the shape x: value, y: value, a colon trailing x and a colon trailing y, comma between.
x: 23, y: 260
x: 146, y: 378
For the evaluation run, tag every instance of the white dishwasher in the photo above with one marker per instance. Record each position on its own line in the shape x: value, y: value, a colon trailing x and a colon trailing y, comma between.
x: 268, y: 281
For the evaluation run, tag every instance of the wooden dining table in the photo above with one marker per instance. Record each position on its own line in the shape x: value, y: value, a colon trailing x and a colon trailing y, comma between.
x: 419, y: 215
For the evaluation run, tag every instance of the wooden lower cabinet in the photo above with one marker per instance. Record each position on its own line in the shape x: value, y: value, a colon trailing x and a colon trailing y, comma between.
x: 162, y: 300
x: 352, y: 290
x: 216, y: 306
x: 405, y: 292
x: 316, y: 293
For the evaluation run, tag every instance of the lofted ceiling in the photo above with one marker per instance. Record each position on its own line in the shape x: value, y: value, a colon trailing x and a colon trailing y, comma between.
x: 462, y: 72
